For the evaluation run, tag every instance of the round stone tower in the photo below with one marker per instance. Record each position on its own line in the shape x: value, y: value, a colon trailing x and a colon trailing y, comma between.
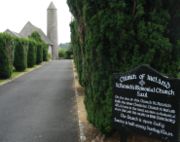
x: 52, y: 29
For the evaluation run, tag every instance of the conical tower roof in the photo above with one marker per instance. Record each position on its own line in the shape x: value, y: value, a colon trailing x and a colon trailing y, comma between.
x: 52, y: 6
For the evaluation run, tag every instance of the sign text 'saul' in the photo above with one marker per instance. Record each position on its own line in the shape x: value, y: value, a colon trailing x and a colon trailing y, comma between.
x: 144, y: 101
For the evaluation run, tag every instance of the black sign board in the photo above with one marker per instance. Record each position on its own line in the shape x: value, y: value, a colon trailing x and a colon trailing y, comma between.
x: 146, y: 102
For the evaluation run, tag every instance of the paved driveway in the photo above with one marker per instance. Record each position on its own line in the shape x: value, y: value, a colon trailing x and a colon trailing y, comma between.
x: 40, y: 106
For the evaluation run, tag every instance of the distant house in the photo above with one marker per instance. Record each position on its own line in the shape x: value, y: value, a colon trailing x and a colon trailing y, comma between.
x: 27, y: 30
x: 12, y: 33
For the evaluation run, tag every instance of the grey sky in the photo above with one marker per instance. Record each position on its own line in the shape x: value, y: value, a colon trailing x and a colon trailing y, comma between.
x: 14, y: 14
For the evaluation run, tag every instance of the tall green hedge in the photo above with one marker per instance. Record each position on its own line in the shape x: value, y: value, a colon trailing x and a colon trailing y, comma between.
x: 20, y: 54
x: 39, y: 55
x: 111, y: 36
x: 6, y: 55
x: 45, y: 52
x: 42, y: 48
x: 77, y: 46
x: 31, y: 61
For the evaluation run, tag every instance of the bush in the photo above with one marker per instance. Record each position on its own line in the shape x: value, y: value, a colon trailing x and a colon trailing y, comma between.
x: 6, y: 55
x: 68, y: 54
x: 116, y: 36
x: 45, y: 52
x: 65, y: 53
x: 31, y: 61
x: 20, y: 54
x: 62, y: 53
x: 39, y: 55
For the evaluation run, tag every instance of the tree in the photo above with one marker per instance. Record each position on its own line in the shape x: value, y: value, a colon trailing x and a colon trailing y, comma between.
x: 111, y: 36
x: 36, y: 36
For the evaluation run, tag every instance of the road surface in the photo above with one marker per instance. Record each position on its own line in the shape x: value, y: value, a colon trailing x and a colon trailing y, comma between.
x: 40, y: 106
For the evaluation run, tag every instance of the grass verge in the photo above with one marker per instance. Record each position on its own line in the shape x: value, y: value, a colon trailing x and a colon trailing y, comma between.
x: 16, y: 74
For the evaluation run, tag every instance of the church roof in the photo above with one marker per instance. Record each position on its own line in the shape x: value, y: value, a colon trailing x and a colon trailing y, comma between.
x: 29, y: 28
x: 52, y: 6
x: 12, y: 33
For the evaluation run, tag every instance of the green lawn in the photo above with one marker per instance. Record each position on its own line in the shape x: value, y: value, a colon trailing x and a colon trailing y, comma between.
x: 1, y: 81
x: 15, y: 74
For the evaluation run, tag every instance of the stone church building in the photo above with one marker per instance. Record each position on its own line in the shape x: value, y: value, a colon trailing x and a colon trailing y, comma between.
x: 52, y: 31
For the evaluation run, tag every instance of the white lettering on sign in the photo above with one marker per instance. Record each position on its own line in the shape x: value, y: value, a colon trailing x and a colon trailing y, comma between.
x: 143, y: 78
x: 157, y: 80
x: 145, y: 89
x: 144, y: 114
x: 127, y: 78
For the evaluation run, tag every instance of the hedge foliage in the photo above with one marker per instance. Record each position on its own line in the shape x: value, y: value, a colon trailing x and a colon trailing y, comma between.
x: 31, y: 59
x: 42, y: 48
x: 78, y: 49
x: 39, y: 55
x: 36, y: 36
x: 45, y: 52
x: 6, y: 55
x: 111, y: 36
x: 65, y: 53
x: 20, y: 54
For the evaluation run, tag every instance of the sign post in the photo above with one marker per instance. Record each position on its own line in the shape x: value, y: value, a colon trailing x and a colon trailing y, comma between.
x: 124, y: 137
x: 146, y: 102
